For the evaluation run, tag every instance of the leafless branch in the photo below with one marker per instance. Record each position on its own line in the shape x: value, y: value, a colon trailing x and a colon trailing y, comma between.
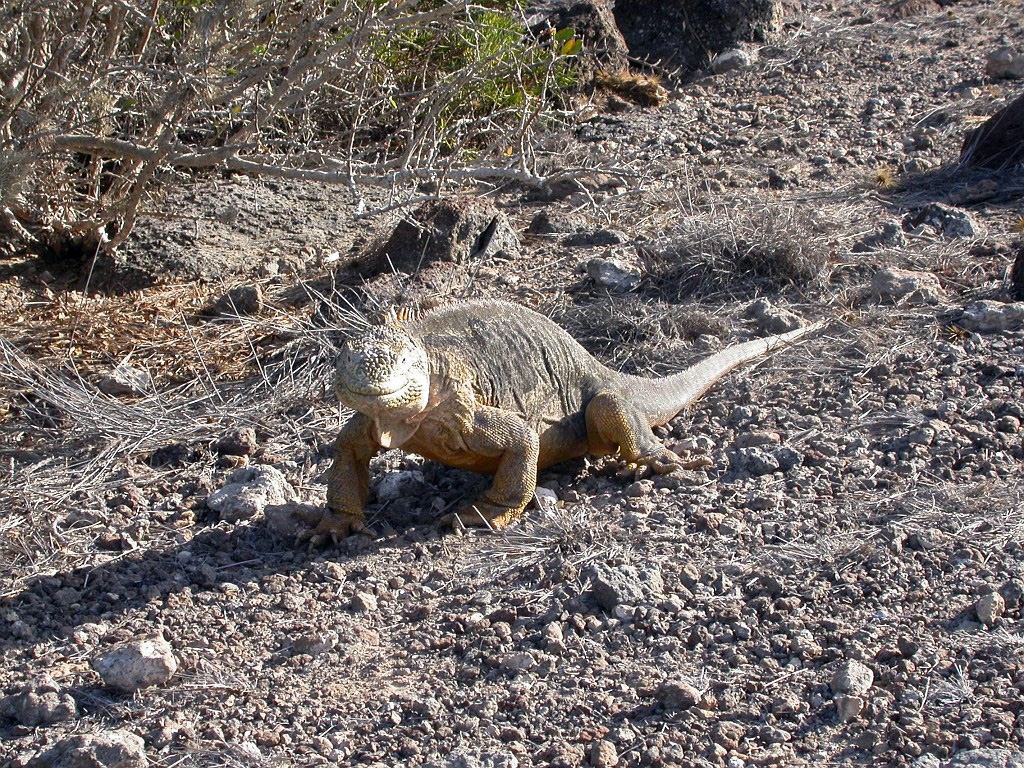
x: 110, y: 95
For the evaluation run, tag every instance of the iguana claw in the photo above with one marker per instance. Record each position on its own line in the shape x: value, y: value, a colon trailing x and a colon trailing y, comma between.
x: 331, y: 527
x: 660, y: 462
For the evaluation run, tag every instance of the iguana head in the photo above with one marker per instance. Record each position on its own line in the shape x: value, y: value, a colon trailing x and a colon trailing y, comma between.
x: 383, y: 372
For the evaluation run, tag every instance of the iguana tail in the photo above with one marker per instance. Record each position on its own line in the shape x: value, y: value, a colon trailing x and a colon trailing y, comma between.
x: 662, y: 399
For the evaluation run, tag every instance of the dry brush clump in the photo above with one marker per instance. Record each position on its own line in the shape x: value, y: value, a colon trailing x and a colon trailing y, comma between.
x: 750, y: 245
x: 101, y: 101
x: 65, y: 446
x: 637, y: 334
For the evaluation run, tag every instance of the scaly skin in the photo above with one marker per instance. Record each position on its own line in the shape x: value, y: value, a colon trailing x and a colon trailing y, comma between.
x: 493, y: 387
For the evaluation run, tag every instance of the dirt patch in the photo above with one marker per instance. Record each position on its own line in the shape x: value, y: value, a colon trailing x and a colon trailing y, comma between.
x: 220, y: 231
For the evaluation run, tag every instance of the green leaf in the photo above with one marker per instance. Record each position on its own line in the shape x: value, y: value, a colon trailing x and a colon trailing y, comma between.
x: 563, y: 35
x: 571, y: 48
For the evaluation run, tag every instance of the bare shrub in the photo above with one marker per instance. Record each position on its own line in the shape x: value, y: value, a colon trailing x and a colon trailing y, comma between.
x: 638, y: 335
x: 99, y: 100
x: 752, y: 244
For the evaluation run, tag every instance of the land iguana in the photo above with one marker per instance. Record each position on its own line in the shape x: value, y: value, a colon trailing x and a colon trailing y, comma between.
x: 492, y: 387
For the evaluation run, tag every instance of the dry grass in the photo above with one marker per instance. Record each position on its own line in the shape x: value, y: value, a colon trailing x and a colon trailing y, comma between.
x: 567, y: 535
x: 160, y: 329
x: 748, y: 246
x: 347, y: 93
x: 639, y: 335
x: 640, y: 88
x: 988, y: 515
x: 949, y: 691
x: 65, y: 445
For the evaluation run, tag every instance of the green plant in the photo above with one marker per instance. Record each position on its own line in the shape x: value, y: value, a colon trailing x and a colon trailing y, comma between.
x: 462, y: 81
x: 103, y: 98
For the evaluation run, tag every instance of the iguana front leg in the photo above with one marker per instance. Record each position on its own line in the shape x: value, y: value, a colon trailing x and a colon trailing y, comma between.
x: 348, y: 483
x: 615, y: 424
x: 494, y: 433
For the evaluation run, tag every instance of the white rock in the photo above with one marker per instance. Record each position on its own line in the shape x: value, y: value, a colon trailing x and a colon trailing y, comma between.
x: 907, y: 287
x: 888, y: 235
x: 545, y: 498
x: 948, y: 221
x: 315, y: 643
x: 678, y: 694
x: 364, y: 602
x: 1005, y: 63
x: 604, y: 755
x: 518, y: 662
x: 137, y: 664
x: 986, y: 758
x: 286, y: 521
x: 250, y: 751
x: 989, y: 316
x: 40, y: 702
x: 772, y: 319
x: 553, y: 633
x: 852, y: 677
x: 990, y: 608
x: 478, y: 758
x: 729, y: 61
x: 625, y: 585
x: 395, y: 485
x: 126, y: 379
x: 848, y: 707
x: 614, y: 273
x: 805, y: 645
x: 248, y: 492
x: 110, y: 749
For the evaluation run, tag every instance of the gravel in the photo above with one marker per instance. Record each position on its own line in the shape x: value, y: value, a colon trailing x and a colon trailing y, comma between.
x: 839, y: 583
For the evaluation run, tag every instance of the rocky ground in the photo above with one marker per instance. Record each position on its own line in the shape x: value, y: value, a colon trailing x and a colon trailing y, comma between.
x: 841, y: 585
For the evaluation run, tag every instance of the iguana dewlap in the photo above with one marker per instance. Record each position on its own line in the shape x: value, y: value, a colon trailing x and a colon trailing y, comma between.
x: 493, y: 387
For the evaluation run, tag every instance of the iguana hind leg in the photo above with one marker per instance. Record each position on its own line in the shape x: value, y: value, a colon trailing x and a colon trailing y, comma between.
x: 504, y: 435
x: 614, y: 424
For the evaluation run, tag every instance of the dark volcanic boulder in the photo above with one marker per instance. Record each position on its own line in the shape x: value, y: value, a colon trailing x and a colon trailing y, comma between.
x: 688, y: 33
x: 594, y: 23
x: 1017, y: 276
x: 454, y: 230
x: 999, y: 141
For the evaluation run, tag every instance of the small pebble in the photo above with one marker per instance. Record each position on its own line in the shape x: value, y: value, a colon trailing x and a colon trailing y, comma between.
x: 364, y: 602
x: 848, y: 707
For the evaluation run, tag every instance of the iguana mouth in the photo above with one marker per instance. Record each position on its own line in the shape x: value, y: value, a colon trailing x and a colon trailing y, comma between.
x: 375, y: 371
x: 371, y: 390
x: 383, y: 391
x: 406, y: 400
x: 396, y: 392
